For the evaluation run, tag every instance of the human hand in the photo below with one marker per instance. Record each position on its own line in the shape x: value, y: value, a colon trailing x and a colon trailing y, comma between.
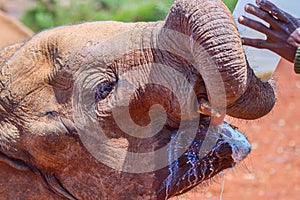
x: 282, y: 34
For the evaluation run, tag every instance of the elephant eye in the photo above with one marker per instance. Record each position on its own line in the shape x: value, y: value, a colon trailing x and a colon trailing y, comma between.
x: 103, y: 89
x: 51, y: 113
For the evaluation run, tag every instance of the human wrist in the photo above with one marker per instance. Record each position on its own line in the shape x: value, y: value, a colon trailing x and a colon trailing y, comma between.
x: 297, y: 61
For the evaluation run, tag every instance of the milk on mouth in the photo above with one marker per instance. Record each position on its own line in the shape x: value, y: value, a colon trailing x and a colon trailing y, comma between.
x: 199, y: 162
x: 238, y: 142
x: 230, y: 135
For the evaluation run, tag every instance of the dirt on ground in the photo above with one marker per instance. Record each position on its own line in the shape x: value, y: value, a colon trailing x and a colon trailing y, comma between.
x: 272, y: 171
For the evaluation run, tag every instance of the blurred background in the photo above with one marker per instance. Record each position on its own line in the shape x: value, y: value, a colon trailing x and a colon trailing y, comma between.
x: 272, y: 171
x: 42, y: 14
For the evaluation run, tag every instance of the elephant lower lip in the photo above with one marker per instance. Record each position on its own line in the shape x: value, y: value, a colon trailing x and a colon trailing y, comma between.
x: 198, y: 164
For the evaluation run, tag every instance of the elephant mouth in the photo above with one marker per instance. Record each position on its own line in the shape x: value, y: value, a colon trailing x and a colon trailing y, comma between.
x: 213, y: 150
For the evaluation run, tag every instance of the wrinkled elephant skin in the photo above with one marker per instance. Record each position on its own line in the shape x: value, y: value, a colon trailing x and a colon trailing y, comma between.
x: 111, y: 110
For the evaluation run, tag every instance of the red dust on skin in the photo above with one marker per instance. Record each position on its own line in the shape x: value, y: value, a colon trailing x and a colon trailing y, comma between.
x: 276, y: 154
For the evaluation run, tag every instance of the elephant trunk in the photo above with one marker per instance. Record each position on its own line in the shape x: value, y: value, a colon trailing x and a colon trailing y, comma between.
x: 218, y: 55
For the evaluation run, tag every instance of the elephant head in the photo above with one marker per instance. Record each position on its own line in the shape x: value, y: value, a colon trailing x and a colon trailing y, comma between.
x: 110, y: 110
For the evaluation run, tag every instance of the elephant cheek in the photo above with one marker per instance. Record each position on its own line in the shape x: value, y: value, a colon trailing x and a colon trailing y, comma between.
x: 8, y: 134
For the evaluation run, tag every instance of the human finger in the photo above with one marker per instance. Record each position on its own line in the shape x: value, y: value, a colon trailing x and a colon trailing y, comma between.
x: 276, y: 47
x: 258, y: 43
x: 251, y: 9
x: 274, y: 10
x: 254, y: 25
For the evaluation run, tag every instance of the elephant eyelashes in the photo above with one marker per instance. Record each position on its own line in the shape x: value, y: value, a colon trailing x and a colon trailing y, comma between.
x: 51, y: 114
x: 102, y: 90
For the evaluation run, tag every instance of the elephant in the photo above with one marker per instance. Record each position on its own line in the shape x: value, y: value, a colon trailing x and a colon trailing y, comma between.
x: 113, y: 110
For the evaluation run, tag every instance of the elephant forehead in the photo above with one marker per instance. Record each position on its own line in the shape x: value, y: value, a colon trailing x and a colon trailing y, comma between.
x: 23, y: 76
x: 39, y: 59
